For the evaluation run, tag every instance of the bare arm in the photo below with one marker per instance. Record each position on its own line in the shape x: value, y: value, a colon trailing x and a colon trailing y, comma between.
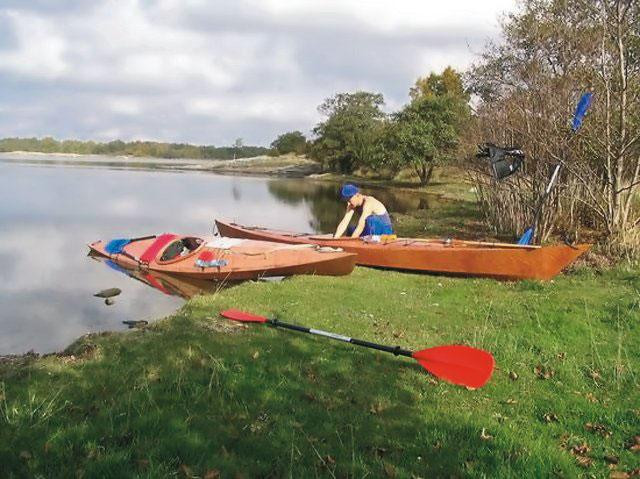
x: 344, y: 223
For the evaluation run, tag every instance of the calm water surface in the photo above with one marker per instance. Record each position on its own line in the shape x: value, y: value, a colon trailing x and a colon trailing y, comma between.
x: 49, y: 214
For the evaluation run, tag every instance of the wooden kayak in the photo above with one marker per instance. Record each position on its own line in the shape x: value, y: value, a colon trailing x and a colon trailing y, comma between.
x: 226, y: 259
x: 451, y: 257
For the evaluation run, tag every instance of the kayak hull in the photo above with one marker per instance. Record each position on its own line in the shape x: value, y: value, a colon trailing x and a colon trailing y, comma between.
x: 450, y: 257
x: 243, y: 260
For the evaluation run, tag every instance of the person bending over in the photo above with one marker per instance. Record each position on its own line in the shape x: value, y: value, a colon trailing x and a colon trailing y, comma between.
x: 374, y: 219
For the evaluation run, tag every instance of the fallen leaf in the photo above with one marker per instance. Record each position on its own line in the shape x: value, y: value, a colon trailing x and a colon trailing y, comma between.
x: 513, y: 375
x: 255, y: 355
x: 561, y: 356
x: 619, y: 475
x: 584, y: 461
x: 211, y: 474
x: 484, y: 436
x: 376, y: 408
x: 550, y: 417
x: 511, y: 401
x: 595, y: 375
x: 611, y: 459
x: 634, y: 444
x: 580, y: 450
x: 591, y: 398
x: 599, y: 428
x: 329, y: 460
x: 389, y: 470
x: 185, y: 471
x: 544, y: 372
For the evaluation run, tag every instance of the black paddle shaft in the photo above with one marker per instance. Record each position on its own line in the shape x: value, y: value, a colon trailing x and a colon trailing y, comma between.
x: 395, y: 350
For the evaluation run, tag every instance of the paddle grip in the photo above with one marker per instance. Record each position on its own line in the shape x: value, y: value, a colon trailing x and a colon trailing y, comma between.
x: 395, y: 350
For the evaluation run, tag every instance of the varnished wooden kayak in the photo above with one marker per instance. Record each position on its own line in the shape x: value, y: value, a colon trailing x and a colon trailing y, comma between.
x: 451, y: 257
x: 227, y: 259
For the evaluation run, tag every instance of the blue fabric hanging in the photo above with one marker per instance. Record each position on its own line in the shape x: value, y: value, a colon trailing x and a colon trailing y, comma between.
x: 581, y: 111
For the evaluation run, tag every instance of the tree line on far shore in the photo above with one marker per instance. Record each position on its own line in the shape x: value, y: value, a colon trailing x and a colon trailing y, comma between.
x: 133, y: 148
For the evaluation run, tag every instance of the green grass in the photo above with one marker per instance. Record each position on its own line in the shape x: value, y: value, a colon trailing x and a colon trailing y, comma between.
x: 194, y: 395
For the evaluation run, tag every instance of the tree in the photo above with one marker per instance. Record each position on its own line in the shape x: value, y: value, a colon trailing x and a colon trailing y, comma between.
x: 350, y: 137
x: 449, y: 82
x: 291, y: 142
x: 425, y: 133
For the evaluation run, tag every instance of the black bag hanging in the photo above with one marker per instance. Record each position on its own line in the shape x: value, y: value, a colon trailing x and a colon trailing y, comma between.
x: 504, y: 162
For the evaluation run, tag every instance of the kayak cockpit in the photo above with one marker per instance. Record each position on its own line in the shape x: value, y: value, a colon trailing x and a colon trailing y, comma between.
x: 177, y: 249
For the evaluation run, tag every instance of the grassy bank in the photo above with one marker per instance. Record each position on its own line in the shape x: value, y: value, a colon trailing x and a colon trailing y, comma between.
x: 197, y: 396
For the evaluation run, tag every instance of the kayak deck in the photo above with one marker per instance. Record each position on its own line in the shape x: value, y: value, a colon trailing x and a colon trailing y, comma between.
x: 452, y: 257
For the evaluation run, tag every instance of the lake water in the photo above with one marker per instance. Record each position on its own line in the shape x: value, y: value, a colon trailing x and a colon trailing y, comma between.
x: 49, y: 213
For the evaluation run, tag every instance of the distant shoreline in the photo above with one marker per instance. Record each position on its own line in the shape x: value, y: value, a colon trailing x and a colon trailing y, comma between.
x: 284, y: 165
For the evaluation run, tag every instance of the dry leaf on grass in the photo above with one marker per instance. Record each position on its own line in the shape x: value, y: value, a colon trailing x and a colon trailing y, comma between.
x: 328, y: 460
x: 584, y: 461
x: 484, y: 436
x: 634, y: 443
x: 598, y: 428
x: 544, y: 372
x: 580, y: 449
x: 185, y: 471
x: 389, y: 470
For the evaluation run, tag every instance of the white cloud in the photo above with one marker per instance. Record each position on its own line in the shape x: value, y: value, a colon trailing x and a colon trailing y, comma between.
x: 41, y: 48
x: 208, y: 72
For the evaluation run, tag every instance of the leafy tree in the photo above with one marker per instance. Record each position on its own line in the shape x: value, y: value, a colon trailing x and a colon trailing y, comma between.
x: 425, y: 133
x: 291, y: 142
x: 350, y: 137
x: 449, y: 82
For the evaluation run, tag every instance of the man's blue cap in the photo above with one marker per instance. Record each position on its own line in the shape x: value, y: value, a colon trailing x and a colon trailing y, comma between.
x: 348, y: 190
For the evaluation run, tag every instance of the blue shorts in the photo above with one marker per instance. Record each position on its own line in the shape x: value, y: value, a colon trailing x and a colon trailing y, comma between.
x: 375, y: 225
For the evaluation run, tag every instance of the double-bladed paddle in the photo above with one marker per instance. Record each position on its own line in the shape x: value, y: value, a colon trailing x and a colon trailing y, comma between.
x: 457, y: 364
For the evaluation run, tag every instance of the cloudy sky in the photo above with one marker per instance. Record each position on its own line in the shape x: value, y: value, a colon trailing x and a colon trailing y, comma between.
x: 210, y: 71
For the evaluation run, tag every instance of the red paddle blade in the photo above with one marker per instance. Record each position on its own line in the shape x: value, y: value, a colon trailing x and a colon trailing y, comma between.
x: 238, y: 315
x: 457, y: 364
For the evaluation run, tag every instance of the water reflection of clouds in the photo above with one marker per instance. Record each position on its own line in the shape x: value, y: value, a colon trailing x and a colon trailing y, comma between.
x: 48, y: 215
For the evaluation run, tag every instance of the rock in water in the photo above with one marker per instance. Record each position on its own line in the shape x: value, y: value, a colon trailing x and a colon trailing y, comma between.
x: 109, y: 301
x: 108, y: 293
x: 136, y: 324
